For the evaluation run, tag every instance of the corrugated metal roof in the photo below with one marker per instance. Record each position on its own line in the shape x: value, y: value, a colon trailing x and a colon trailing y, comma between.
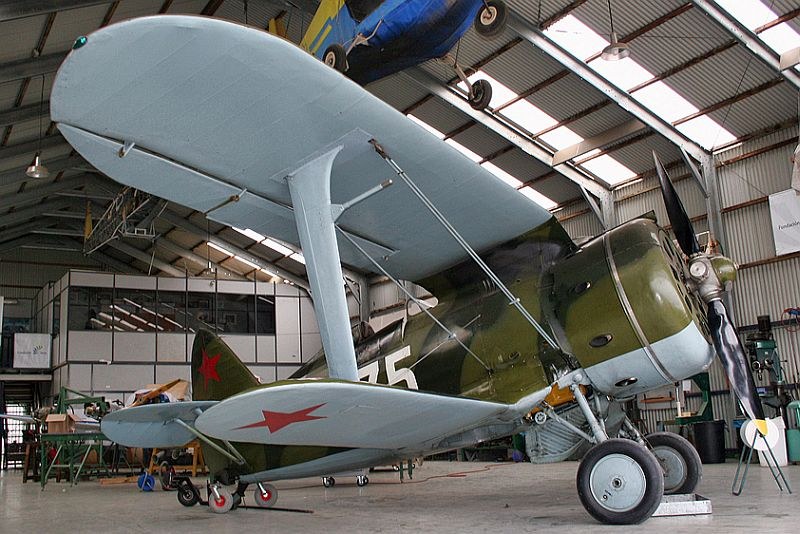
x: 481, y: 140
x: 629, y: 15
x: 565, y: 97
x: 398, y: 91
x: 522, y: 67
x: 440, y: 115
x: 761, y: 110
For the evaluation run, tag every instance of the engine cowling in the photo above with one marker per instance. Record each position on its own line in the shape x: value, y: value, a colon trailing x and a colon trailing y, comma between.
x: 624, y: 311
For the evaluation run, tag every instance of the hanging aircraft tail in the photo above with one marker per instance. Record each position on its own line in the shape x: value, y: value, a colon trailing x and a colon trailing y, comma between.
x: 217, y: 373
x: 332, y: 24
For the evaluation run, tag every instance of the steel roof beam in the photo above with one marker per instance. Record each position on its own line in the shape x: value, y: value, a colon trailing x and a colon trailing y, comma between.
x: 432, y: 85
x: 26, y: 228
x: 17, y: 9
x: 146, y: 258
x: 29, y: 67
x: 31, y: 147
x: 169, y: 246
x: 748, y: 39
x: 188, y: 226
x: 24, y: 113
x: 37, y: 193
x: 538, y: 39
x: 16, y: 217
x: 117, y: 265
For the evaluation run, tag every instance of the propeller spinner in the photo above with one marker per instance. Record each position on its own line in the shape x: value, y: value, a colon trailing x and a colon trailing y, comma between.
x: 709, y: 276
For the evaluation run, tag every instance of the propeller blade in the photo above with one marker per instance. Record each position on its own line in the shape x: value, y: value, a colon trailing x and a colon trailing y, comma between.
x: 680, y: 222
x: 734, y: 360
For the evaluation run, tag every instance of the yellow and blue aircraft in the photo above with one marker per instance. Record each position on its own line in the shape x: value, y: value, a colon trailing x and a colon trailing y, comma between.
x: 532, y: 332
x: 371, y: 39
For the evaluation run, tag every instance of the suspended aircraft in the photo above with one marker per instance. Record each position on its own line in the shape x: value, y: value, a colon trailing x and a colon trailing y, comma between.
x: 371, y: 39
x: 531, y: 332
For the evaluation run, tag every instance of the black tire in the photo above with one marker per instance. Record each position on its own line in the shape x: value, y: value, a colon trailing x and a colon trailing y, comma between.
x: 679, y: 460
x: 335, y: 57
x: 187, y: 496
x: 491, y: 19
x: 481, y: 94
x: 620, y: 482
x: 328, y: 482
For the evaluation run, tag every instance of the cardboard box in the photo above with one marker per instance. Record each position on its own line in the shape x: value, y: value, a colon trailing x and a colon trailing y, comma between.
x: 60, y: 423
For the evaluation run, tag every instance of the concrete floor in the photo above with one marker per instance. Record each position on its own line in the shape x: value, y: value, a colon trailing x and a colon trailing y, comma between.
x: 444, y: 497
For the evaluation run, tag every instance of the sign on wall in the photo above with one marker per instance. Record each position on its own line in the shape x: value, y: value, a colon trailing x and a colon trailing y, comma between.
x: 32, y: 351
x: 784, y: 210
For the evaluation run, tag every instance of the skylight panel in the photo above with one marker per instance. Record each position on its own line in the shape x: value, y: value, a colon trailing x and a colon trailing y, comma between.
x: 608, y: 169
x: 754, y: 14
x: 219, y: 248
x: 625, y: 73
x: 503, y: 175
x: 665, y: 102
x: 528, y: 116
x: 706, y: 132
x: 561, y: 137
x: 298, y: 258
x: 464, y: 150
x: 246, y: 261
x: 277, y: 247
x: 427, y: 126
x: 576, y: 37
x: 781, y: 38
x: 539, y: 198
x: 255, y: 236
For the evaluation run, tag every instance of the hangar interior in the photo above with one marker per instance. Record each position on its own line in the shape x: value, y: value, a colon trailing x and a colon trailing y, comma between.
x: 570, y: 130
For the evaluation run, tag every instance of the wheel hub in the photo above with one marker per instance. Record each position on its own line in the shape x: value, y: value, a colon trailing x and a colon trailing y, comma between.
x: 618, y: 482
x: 488, y: 15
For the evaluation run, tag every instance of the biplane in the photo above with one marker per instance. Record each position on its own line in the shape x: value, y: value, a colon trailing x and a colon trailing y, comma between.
x: 530, y: 331
x: 371, y: 39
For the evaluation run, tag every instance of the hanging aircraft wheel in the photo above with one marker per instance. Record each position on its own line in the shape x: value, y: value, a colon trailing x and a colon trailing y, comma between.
x: 221, y: 504
x: 491, y: 19
x: 362, y: 480
x: 335, y: 57
x: 481, y: 94
x: 266, y: 495
x: 187, y: 496
x: 328, y: 482
x: 679, y: 460
x: 620, y: 482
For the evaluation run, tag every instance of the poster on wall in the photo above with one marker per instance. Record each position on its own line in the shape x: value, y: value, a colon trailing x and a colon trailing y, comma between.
x: 32, y: 351
x: 784, y: 210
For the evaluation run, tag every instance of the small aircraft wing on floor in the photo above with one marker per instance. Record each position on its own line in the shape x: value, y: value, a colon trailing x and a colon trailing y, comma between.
x: 154, y: 425
x: 216, y: 116
x: 345, y: 414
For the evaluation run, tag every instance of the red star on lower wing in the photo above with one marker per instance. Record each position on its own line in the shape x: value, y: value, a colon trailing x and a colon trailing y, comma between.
x: 274, y: 421
x: 209, y: 368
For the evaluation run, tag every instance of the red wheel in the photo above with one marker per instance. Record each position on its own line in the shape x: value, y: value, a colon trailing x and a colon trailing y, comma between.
x: 222, y: 502
x: 266, y: 495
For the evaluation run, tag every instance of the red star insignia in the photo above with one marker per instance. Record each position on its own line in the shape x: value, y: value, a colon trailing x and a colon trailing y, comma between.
x: 209, y: 368
x: 274, y: 421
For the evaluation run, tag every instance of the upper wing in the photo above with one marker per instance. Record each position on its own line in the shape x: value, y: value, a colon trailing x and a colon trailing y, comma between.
x: 218, y: 111
x: 344, y: 414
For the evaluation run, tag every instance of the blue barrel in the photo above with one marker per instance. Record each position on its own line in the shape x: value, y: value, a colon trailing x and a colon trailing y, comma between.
x: 709, y: 440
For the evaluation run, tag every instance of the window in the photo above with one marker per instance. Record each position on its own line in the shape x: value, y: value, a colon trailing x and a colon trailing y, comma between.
x: 136, y: 310
x: 201, y: 310
x: 236, y: 314
x: 91, y: 308
x: 265, y: 315
x: 171, y: 311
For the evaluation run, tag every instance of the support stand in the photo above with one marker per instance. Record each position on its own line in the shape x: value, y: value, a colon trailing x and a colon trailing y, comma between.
x: 775, y: 469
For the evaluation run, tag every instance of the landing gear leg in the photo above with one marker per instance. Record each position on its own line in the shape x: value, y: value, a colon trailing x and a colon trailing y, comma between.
x: 480, y: 92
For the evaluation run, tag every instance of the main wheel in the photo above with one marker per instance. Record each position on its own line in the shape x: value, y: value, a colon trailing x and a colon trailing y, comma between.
x: 481, y: 94
x: 221, y: 504
x: 679, y: 460
x: 362, y: 480
x: 328, y: 482
x: 335, y: 57
x: 491, y: 19
x: 266, y: 498
x: 620, y: 482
